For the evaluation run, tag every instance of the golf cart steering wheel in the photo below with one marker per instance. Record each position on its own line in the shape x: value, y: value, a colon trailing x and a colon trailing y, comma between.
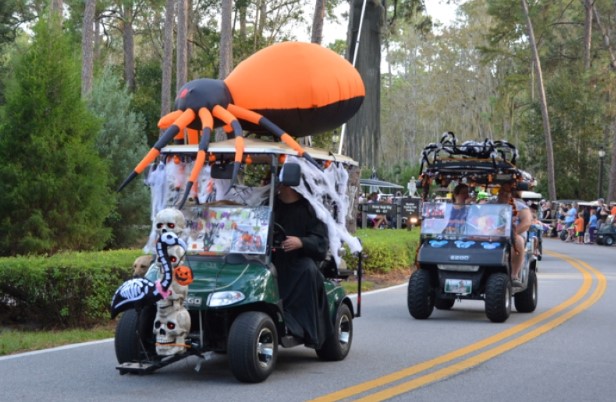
x: 279, y: 235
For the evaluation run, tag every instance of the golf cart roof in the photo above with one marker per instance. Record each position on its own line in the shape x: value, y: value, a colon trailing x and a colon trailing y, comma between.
x: 254, y: 147
x: 530, y: 195
x: 486, y: 163
x: 378, y: 183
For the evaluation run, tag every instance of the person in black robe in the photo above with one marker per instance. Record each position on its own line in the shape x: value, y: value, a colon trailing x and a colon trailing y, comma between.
x: 300, y: 282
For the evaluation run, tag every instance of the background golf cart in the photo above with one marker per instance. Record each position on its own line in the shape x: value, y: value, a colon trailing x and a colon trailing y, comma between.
x: 606, y: 235
x: 401, y: 211
x: 458, y: 261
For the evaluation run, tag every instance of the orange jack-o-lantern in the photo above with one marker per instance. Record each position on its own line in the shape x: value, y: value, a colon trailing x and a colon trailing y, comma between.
x: 183, y: 275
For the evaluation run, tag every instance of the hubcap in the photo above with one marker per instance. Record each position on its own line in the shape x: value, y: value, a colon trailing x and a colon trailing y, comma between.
x: 344, y: 330
x: 265, y: 347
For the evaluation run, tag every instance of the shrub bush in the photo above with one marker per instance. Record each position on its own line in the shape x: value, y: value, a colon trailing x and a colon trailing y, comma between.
x: 386, y: 250
x: 74, y: 289
x: 71, y: 289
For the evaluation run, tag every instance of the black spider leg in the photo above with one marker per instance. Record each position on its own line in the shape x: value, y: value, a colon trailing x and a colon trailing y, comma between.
x: 181, y: 122
x: 204, y: 144
x: 284, y: 137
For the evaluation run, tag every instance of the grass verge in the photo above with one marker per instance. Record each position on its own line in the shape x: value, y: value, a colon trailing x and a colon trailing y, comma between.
x: 17, y: 340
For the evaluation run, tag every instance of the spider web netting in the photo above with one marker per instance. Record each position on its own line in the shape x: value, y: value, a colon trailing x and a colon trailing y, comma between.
x: 326, y: 190
x: 327, y: 193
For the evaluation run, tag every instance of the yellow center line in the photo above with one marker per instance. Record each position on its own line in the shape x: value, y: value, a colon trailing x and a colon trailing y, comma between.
x: 484, y: 356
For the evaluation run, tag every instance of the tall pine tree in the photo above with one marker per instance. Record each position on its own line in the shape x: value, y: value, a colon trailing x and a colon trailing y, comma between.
x: 54, y: 188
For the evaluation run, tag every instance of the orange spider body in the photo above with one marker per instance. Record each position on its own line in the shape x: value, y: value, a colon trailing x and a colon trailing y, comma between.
x: 290, y: 88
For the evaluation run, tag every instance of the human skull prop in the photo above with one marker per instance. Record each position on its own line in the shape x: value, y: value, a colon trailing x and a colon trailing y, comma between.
x: 171, y: 328
x: 170, y: 220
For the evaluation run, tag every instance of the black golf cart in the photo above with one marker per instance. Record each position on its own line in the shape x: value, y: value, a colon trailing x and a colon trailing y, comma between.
x: 233, y: 305
x: 606, y: 235
x: 469, y: 259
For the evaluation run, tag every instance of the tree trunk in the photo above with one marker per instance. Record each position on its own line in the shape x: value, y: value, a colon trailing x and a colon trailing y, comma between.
x: 167, y: 67
x: 544, y: 105
x: 317, y: 22
x: 588, y: 6
x: 226, y: 39
x: 611, y: 189
x: 128, y: 37
x: 87, y: 48
x: 181, y: 64
x: 362, y: 134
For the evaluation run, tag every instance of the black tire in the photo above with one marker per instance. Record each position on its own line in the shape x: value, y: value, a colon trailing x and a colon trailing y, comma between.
x: 608, y: 241
x: 563, y: 234
x: 526, y: 301
x: 252, y: 347
x: 444, y: 304
x: 337, y: 346
x: 498, y: 297
x: 134, y: 339
x: 420, y: 295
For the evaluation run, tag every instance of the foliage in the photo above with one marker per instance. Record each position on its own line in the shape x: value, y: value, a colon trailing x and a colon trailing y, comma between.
x: 23, y: 340
x: 386, y: 250
x: 55, y: 187
x: 122, y: 142
x: 64, y: 290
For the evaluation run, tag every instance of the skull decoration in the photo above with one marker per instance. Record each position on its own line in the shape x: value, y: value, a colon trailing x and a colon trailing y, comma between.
x: 172, y: 322
x: 170, y: 220
x: 171, y: 326
x: 166, y: 220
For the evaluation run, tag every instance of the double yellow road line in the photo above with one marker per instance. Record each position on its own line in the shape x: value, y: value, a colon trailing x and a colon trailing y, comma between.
x: 406, y: 380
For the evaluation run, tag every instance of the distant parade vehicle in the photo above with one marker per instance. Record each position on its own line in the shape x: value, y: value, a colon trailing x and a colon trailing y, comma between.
x: 470, y: 259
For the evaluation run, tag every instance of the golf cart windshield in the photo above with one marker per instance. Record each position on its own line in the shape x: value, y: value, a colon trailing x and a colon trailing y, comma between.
x: 463, y: 221
x: 228, y: 230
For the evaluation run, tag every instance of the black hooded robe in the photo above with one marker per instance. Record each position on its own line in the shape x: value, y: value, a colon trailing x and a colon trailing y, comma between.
x: 300, y: 282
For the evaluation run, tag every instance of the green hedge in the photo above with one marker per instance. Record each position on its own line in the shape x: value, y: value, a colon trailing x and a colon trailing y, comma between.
x: 386, y: 250
x: 75, y: 289
x: 66, y: 290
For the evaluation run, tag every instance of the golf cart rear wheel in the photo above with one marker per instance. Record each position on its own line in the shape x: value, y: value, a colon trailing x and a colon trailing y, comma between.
x: 444, y: 304
x: 134, y: 339
x: 526, y: 301
x: 498, y: 297
x: 608, y: 241
x: 420, y: 295
x: 252, y: 347
x: 337, y: 346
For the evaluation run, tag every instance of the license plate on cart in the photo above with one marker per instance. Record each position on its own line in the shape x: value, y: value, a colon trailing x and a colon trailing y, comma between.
x: 458, y: 286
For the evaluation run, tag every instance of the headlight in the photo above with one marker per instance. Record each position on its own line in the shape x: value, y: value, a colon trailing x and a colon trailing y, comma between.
x: 226, y: 298
x: 459, y: 268
x: 414, y: 220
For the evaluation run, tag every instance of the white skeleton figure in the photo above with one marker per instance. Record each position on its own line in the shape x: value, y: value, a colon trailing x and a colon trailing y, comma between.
x: 172, y: 322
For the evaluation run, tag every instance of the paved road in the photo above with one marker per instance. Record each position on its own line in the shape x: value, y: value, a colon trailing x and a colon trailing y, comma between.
x: 564, y: 351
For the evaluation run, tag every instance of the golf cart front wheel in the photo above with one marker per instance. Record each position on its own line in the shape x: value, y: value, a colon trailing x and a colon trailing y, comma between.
x: 134, y: 339
x: 498, y: 297
x: 420, y: 295
x: 526, y: 301
x: 337, y: 346
x: 252, y: 347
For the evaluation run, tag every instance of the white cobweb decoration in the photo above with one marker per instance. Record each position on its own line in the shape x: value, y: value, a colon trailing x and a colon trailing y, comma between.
x: 320, y: 189
x: 331, y: 202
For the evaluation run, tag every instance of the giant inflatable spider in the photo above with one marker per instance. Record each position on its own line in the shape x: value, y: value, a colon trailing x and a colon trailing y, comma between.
x: 290, y: 88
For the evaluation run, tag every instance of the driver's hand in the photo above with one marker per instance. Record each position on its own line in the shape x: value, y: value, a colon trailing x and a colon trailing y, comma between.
x: 292, y: 243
